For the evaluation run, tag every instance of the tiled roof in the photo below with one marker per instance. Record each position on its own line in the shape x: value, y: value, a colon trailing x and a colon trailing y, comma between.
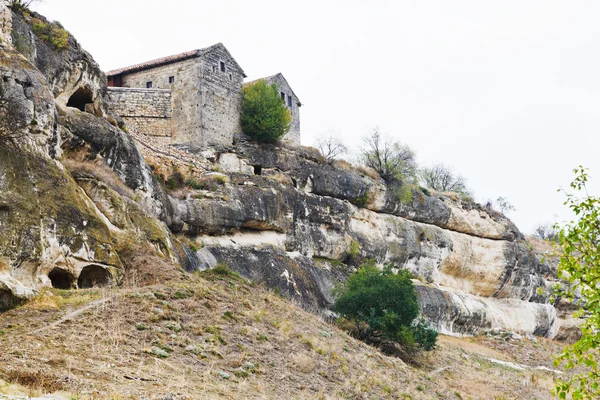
x: 172, y: 59
x: 155, y: 63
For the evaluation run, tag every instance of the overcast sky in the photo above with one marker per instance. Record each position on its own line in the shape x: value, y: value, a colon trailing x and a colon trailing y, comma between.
x: 505, y: 92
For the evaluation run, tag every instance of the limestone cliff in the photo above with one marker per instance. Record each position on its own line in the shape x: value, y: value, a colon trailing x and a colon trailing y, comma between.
x: 76, y: 190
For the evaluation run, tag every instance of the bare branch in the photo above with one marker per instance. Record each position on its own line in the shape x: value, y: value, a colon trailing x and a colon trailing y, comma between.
x: 331, y: 146
x: 391, y: 159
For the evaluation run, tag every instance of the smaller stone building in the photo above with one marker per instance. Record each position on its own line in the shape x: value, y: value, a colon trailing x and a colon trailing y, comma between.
x: 291, y: 101
x: 189, y: 98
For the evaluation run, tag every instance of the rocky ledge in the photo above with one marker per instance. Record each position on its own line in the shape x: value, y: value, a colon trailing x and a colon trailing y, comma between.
x: 77, y: 194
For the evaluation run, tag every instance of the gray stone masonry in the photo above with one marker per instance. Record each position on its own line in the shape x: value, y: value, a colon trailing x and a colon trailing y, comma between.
x: 143, y: 110
x: 205, y: 98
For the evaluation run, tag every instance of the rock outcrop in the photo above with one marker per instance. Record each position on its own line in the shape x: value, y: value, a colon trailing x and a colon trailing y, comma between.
x: 75, y: 190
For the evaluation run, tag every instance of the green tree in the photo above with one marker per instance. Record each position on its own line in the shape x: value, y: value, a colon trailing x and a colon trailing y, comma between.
x: 264, y: 115
x: 383, y: 303
x: 579, y: 266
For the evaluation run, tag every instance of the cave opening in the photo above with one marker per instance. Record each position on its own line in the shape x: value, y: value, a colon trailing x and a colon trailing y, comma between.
x: 258, y: 170
x: 80, y: 98
x: 7, y: 300
x: 94, y: 276
x: 61, y: 279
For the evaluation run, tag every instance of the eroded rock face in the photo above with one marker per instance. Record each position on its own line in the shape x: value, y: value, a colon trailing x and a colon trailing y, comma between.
x: 282, y: 217
x: 66, y: 71
x: 53, y: 233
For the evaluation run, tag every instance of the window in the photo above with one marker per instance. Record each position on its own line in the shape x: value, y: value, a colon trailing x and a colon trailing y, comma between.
x: 171, y: 79
x: 230, y: 77
x: 214, y: 68
x: 222, y: 66
x: 149, y: 85
x: 283, y: 96
x: 289, y: 101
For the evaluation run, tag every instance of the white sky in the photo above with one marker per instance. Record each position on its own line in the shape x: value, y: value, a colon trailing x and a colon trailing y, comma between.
x: 505, y: 92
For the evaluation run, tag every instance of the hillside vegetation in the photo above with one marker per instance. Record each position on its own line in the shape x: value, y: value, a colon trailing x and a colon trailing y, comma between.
x: 215, y: 335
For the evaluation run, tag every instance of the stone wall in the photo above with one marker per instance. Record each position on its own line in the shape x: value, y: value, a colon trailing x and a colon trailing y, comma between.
x: 146, y: 111
x: 185, y: 95
x: 221, y: 97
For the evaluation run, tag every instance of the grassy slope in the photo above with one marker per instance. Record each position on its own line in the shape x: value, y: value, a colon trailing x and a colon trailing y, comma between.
x: 215, y: 336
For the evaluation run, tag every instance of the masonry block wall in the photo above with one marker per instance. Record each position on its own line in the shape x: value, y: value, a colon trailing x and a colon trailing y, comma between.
x: 146, y: 111
x: 221, y: 94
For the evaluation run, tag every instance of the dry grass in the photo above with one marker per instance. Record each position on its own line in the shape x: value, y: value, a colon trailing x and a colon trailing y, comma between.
x: 215, y: 336
x: 100, y: 171
x: 370, y: 172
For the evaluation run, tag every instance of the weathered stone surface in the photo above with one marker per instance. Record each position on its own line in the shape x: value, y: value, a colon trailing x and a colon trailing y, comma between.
x: 66, y: 71
x: 118, y: 151
x: 143, y: 110
x: 316, y: 176
x: 324, y: 227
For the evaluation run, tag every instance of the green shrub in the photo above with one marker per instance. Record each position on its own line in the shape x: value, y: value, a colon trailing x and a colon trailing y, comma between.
x: 354, y: 249
x: 362, y: 201
x: 383, y: 303
x: 404, y: 193
x: 425, y: 336
x: 264, y: 115
x: 51, y: 33
x: 175, y: 181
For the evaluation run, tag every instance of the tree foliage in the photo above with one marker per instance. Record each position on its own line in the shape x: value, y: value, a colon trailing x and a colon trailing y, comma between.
x: 393, y: 161
x: 331, y: 146
x: 264, y: 115
x: 580, y: 267
x: 383, y: 303
x: 442, y: 179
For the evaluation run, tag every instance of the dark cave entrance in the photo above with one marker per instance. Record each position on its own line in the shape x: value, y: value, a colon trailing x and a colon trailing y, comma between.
x: 61, y: 279
x: 258, y: 170
x: 94, y: 276
x: 7, y: 300
x: 80, y: 98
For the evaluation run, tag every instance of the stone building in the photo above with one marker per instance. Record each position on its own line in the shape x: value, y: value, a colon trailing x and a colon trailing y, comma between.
x: 189, y: 98
x: 291, y: 101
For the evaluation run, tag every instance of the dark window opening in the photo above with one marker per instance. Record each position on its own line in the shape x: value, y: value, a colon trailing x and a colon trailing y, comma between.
x: 80, y: 98
x: 94, y: 276
x: 222, y: 66
x: 289, y: 101
x: 61, y: 279
x: 214, y: 68
x: 171, y: 79
x: 149, y: 85
x: 258, y: 170
x: 230, y: 77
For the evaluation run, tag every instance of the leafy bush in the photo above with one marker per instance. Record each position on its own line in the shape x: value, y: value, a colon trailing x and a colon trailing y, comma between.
x: 383, y: 303
x: 51, y: 33
x: 580, y: 267
x: 354, y: 249
x: 175, y: 181
x: 264, y: 115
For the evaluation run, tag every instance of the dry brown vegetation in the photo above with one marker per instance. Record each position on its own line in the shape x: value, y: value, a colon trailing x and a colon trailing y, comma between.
x: 100, y: 171
x: 214, y: 335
